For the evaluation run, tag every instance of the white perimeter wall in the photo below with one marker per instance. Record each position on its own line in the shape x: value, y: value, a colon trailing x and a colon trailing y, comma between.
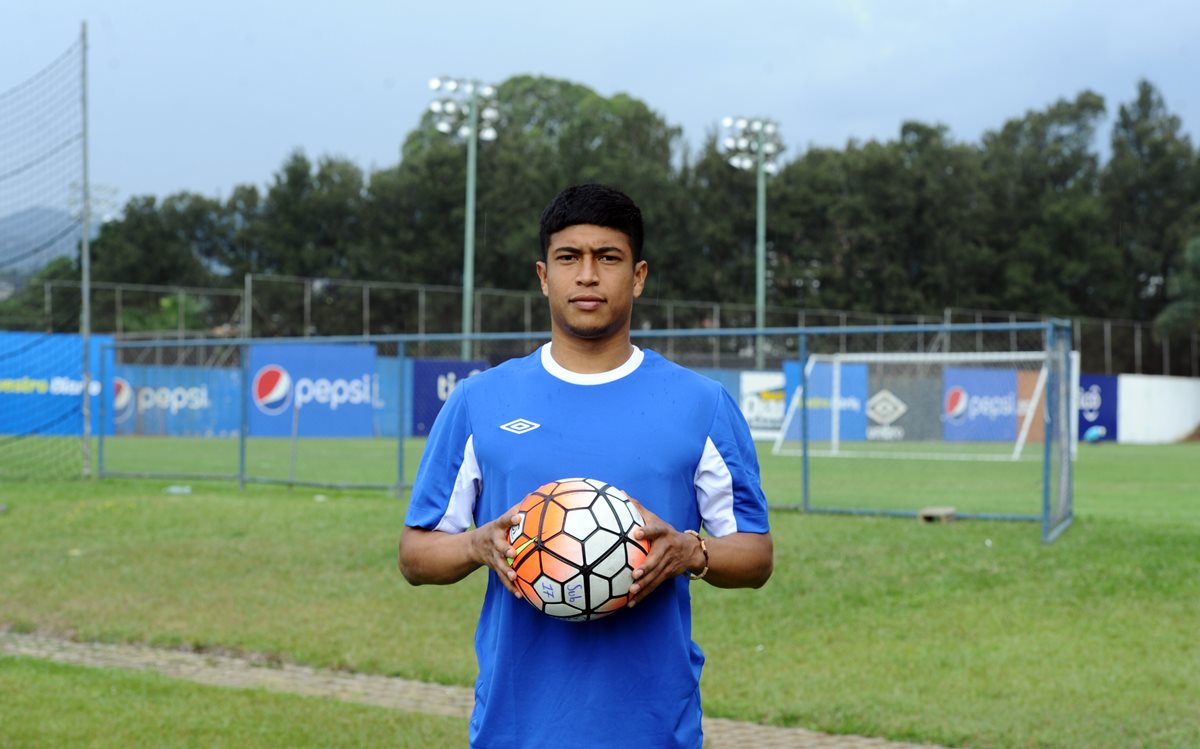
x: 1153, y: 409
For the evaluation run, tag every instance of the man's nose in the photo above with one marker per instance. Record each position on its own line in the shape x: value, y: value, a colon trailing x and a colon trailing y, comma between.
x: 587, y: 271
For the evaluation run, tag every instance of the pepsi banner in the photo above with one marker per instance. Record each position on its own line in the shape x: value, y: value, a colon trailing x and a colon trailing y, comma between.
x: 312, y: 390
x: 852, y: 418
x: 979, y: 405
x: 433, y: 381
x: 1097, y: 408
x: 175, y: 401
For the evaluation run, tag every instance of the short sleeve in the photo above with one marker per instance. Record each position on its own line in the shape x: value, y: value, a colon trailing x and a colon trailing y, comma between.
x: 728, y: 483
x: 448, y: 480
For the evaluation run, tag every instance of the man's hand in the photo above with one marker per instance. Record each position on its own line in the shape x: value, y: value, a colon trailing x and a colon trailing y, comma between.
x: 492, y: 548
x: 672, y: 553
x: 437, y: 558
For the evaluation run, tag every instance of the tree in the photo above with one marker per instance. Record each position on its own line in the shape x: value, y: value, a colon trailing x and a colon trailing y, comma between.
x: 1182, y: 313
x: 1045, y: 223
x: 310, y: 221
x: 26, y: 309
x: 889, y: 227
x: 551, y: 134
x: 1149, y: 187
x: 160, y: 243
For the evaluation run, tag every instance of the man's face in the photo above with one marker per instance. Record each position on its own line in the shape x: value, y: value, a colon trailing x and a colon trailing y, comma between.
x: 591, y: 280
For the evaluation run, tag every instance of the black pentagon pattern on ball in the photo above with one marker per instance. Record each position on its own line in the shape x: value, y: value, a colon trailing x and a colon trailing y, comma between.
x: 601, y: 528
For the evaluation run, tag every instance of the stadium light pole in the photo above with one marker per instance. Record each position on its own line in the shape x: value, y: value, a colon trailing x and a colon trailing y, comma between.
x: 754, y: 143
x: 461, y: 106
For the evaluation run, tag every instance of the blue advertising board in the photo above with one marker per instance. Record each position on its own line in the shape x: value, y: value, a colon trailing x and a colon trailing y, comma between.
x: 312, y: 390
x: 433, y: 381
x: 1097, y: 408
x: 41, y: 383
x: 852, y: 417
x: 979, y: 405
x: 174, y: 401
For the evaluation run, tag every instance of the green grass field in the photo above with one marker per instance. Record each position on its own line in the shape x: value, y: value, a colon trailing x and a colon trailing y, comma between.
x: 970, y: 633
x: 54, y: 705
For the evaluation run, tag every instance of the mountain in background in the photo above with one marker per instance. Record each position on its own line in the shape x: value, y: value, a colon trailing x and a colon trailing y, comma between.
x: 31, y: 238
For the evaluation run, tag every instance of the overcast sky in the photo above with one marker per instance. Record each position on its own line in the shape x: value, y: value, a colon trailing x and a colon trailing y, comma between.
x: 204, y: 96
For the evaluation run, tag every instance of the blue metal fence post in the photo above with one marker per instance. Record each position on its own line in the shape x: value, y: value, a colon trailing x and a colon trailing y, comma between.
x: 1072, y: 416
x: 104, y: 396
x: 804, y: 416
x: 401, y: 418
x: 244, y: 410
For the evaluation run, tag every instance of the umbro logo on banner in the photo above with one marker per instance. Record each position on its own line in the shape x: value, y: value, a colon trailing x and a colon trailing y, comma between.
x: 520, y: 426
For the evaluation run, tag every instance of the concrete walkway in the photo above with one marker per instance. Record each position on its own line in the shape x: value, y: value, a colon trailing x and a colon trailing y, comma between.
x: 382, y: 691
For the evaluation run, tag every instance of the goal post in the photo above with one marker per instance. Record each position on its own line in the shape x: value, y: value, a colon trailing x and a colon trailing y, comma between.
x: 884, y: 407
x: 980, y: 428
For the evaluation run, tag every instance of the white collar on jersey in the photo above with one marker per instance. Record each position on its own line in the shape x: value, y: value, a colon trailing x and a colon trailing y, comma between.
x: 599, y: 378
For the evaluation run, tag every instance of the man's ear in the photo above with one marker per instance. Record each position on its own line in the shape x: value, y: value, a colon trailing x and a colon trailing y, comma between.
x: 639, y: 278
x: 541, y: 274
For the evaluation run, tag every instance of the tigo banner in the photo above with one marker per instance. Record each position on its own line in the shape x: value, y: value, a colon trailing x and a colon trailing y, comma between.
x: 433, y: 381
x: 1097, y: 408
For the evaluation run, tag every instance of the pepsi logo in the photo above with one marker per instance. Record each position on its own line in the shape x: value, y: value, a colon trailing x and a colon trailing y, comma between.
x: 956, y: 403
x: 122, y: 402
x: 272, y: 389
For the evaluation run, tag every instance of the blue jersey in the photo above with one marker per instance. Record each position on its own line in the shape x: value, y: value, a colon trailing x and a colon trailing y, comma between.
x: 672, y: 439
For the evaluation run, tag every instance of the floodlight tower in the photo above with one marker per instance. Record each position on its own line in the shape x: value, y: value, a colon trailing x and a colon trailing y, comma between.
x: 459, y: 108
x: 753, y: 143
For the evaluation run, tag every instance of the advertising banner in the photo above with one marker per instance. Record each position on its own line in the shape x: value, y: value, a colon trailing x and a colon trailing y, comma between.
x: 761, y: 397
x: 175, y: 401
x: 903, y: 407
x: 41, y: 383
x: 979, y: 405
x: 852, y: 419
x: 433, y: 381
x: 1026, y: 385
x: 312, y: 390
x: 1098, y: 408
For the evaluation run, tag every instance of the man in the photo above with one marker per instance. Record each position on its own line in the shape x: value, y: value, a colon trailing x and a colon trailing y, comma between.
x: 592, y: 405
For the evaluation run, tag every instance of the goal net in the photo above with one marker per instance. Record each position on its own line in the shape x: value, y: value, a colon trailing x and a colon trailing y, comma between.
x: 966, y: 421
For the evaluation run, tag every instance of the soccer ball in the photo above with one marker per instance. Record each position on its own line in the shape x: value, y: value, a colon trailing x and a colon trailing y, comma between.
x: 574, y: 549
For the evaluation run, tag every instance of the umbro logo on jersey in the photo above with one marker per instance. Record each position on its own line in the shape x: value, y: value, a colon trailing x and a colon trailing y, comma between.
x: 520, y: 426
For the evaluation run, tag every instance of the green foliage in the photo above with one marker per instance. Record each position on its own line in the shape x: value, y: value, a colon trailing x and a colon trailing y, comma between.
x: 1182, y: 314
x: 25, y: 310
x: 1044, y: 222
x: 1151, y: 190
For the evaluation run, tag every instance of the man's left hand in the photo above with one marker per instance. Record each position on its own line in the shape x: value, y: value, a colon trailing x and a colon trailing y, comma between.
x: 672, y: 553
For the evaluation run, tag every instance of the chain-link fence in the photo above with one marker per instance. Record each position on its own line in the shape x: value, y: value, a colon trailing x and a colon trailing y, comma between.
x: 298, y: 307
x: 352, y: 411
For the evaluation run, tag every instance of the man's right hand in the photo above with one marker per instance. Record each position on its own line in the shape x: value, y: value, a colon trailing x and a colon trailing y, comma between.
x: 430, y: 557
x: 492, y: 548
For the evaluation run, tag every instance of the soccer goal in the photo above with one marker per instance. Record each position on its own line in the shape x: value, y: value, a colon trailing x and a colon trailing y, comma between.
x: 970, y: 421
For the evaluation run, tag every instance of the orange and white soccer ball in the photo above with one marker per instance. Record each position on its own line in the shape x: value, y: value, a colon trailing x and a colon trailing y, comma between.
x: 574, y: 548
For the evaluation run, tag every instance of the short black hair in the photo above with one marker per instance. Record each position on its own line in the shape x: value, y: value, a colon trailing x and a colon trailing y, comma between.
x: 595, y: 204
